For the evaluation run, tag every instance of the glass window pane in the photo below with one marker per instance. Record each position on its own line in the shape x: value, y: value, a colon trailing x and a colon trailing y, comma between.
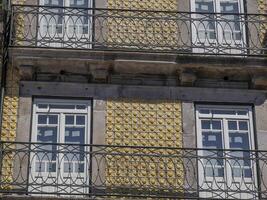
x: 248, y: 173
x: 51, y: 167
x: 229, y: 6
x: 81, y: 107
x: 204, y: 6
x: 69, y: 119
x: 68, y: 167
x: 40, y: 167
x: 243, y: 125
x: 239, y: 140
x: 42, y: 119
x: 61, y: 106
x: 216, y: 125
x: 242, y: 112
x: 205, y: 124
x: 212, y: 140
x: 80, y: 120
x: 79, y: 3
x: 74, y: 135
x: 232, y: 125
x: 224, y: 112
x: 47, y: 134
x: 42, y: 106
x: 79, y: 167
x: 204, y: 111
x: 52, y: 119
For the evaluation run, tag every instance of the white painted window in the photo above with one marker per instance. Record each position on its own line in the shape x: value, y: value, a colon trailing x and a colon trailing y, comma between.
x: 222, y: 172
x: 61, y: 27
x: 215, y: 33
x: 58, y: 168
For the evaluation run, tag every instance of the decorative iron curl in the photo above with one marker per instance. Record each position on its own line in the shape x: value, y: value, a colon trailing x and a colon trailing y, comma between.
x: 132, y: 171
x: 138, y: 30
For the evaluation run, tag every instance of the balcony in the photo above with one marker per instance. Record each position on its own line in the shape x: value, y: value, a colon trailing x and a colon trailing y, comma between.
x: 138, y: 31
x: 100, y: 171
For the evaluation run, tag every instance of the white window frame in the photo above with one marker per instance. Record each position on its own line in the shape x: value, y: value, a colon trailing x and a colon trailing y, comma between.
x: 219, y: 32
x: 60, y: 134
x: 64, y: 37
x: 226, y: 142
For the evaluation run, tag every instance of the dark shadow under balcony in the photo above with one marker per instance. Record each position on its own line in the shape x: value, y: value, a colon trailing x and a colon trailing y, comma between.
x: 235, y: 34
x: 92, y: 171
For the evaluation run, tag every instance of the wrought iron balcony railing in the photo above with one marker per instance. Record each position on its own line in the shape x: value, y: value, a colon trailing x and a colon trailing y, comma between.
x: 139, y: 30
x: 93, y: 171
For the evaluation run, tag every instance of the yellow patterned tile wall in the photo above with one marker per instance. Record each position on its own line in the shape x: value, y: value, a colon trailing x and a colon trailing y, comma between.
x: 9, y: 121
x: 144, y: 123
x: 131, y: 29
x: 10, y: 113
x: 263, y: 10
x: 144, y: 4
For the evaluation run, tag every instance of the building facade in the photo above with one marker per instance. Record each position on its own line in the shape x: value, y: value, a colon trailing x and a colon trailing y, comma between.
x: 133, y: 99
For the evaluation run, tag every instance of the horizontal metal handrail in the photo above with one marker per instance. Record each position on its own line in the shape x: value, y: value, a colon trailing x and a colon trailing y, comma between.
x: 129, y: 146
x: 237, y: 34
x: 128, y: 171
x: 134, y: 10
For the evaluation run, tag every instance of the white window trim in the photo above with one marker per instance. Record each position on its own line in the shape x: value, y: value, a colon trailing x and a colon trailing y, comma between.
x: 201, y: 176
x: 66, y: 3
x: 219, y: 39
x: 60, y: 139
x: 225, y: 107
x: 54, y: 111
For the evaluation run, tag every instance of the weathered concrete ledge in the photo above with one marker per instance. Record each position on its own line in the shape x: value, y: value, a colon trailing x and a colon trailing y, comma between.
x: 135, y: 55
x: 106, y: 91
x: 88, y: 62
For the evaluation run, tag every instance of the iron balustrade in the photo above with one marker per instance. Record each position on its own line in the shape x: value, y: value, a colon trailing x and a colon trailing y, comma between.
x: 94, y: 171
x: 236, y: 34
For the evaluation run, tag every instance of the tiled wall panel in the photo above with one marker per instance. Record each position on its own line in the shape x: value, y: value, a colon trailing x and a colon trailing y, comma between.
x: 143, y: 29
x: 150, y: 124
x: 10, y: 114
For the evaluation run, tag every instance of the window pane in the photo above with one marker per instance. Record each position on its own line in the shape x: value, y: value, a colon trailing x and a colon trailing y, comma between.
x: 243, y: 125
x: 69, y: 119
x: 205, y: 124
x: 55, y: 106
x: 212, y: 140
x: 79, y: 3
x: 204, y: 111
x: 79, y: 167
x: 75, y: 135
x: 47, y: 151
x: 47, y: 134
x: 216, y: 125
x: 239, y: 140
x: 42, y: 119
x: 232, y: 125
x: 81, y: 107
x: 204, y: 6
x: 224, y: 112
x: 40, y: 166
x: 68, y: 167
x: 52, y: 119
x: 80, y: 120
x: 51, y: 167
x: 42, y: 106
